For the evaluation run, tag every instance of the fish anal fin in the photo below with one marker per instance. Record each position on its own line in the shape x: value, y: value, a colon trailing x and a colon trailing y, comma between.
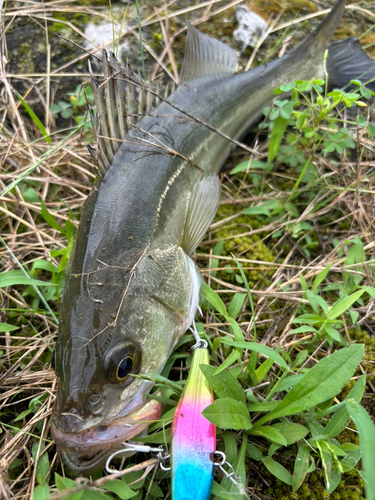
x: 205, y: 56
x: 203, y: 205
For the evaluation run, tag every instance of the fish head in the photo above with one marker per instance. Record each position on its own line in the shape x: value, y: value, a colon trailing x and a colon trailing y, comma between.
x: 140, y: 316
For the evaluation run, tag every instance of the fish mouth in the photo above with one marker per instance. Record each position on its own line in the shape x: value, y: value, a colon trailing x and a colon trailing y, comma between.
x: 86, y: 452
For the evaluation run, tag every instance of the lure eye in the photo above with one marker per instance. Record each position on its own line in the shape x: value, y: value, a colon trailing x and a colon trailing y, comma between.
x: 122, y: 361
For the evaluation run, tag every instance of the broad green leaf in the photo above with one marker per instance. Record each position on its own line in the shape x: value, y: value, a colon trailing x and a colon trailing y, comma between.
x: 334, y: 480
x: 121, y: 489
x: 62, y: 483
x: 45, y: 265
x: 351, y: 460
x: 18, y: 277
x: 236, y: 330
x: 301, y: 466
x: 232, y: 358
x: 321, y: 277
x: 239, y: 469
x: 266, y: 406
x: 316, y: 301
x: 42, y: 466
x: 301, y: 357
x: 263, y: 369
x: 344, y: 305
x: 257, y: 210
x: 230, y: 446
x: 277, y: 134
x: 223, y: 384
x: 236, y: 304
x: 4, y: 327
x: 254, y: 452
x: 291, y: 208
x: 278, y: 470
x: 270, y: 433
x: 339, y: 420
x: 262, y: 349
x: 134, y: 479
x: 213, y: 298
x: 303, y: 329
x: 371, y: 129
x: 228, y: 413
x: 307, y: 319
x: 291, y: 431
x: 366, y: 431
x: 273, y: 449
x: 161, y: 437
x: 323, y: 381
x: 221, y: 492
x: 248, y: 165
x: 50, y: 219
x: 304, y: 286
x: 93, y: 495
x: 332, y: 332
x: 41, y: 492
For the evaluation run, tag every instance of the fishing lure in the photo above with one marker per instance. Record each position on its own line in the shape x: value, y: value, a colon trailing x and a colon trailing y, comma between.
x: 193, y: 437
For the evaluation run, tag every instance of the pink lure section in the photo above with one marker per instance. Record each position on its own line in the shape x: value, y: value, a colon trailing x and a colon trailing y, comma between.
x: 193, y: 437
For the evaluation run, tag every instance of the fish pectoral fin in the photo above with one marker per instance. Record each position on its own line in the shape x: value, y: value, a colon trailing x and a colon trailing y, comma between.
x: 205, y: 56
x: 202, y: 208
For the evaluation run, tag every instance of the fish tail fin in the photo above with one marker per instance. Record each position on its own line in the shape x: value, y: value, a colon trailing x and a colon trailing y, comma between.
x: 348, y: 61
x: 323, y: 33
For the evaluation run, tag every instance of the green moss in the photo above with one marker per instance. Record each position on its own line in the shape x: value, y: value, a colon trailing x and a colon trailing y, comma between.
x: 269, y: 7
x: 362, y: 337
x: 351, y: 487
x: 249, y: 247
x: 25, y: 55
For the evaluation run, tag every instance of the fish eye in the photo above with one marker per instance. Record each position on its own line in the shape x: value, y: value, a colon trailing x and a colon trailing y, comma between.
x: 124, y: 368
x: 122, y: 361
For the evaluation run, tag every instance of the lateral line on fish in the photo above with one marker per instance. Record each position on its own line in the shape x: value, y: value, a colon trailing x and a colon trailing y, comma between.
x: 162, y: 197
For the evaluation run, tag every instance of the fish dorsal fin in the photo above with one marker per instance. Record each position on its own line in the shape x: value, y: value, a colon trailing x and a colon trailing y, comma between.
x: 205, y: 56
x: 203, y: 205
x: 119, y: 104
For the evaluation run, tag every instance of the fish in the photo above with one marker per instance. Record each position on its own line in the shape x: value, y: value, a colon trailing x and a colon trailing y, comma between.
x: 131, y: 289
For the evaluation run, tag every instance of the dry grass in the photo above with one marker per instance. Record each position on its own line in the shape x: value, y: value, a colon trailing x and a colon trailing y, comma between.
x: 63, y: 180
